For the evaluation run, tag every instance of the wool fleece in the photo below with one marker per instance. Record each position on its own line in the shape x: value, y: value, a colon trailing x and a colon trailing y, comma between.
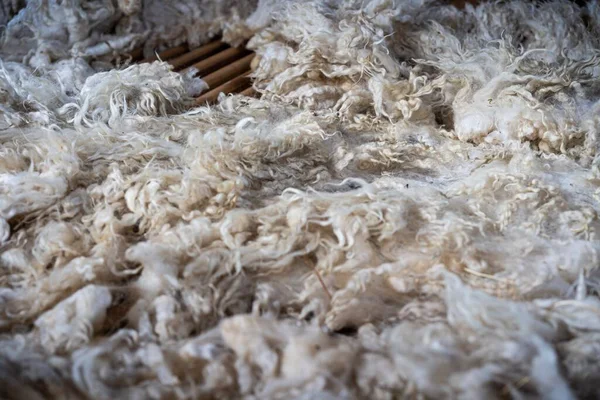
x: 409, y: 210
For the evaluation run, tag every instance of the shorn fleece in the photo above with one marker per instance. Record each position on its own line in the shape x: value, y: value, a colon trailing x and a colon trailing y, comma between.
x: 408, y: 210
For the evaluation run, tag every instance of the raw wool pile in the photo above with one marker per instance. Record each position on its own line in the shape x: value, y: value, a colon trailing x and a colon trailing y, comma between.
x: 39, y: 32
x: 409, y: 211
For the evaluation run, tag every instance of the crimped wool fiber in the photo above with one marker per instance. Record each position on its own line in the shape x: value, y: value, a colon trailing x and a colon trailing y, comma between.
x: 408, y: 211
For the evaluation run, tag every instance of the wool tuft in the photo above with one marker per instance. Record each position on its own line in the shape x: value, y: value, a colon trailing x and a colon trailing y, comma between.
x: 408, y: 210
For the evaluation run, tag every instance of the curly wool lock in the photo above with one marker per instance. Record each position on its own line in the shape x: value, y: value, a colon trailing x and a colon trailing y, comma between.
x: 409, y: 211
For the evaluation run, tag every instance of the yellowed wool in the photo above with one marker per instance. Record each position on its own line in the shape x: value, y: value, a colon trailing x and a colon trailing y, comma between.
x: 410, y: 210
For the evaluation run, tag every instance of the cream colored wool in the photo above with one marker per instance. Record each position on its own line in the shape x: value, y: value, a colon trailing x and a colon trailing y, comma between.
x: 409, y: 211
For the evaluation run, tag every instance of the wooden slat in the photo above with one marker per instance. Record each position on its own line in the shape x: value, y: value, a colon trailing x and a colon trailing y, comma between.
x: 228, y: 72
x: 219, y: 60
x: 208, y: 49
x: 232, y: 86
x: 168, y: 54
x: 250, y: 92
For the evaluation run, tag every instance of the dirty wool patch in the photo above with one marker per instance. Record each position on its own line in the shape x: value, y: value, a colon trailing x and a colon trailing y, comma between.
x: 409, y: 210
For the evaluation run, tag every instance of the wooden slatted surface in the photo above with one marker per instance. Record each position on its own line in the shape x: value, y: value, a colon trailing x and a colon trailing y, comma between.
x: 225, y: 69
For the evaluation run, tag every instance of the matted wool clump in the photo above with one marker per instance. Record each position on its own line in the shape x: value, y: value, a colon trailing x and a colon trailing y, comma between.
x: 410, y: 210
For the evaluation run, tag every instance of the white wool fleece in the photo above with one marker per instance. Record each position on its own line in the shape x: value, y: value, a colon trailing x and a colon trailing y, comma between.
x: 409, y: 210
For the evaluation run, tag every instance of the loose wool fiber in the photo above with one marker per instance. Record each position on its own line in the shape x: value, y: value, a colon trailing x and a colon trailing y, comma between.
x: 408, y: 210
